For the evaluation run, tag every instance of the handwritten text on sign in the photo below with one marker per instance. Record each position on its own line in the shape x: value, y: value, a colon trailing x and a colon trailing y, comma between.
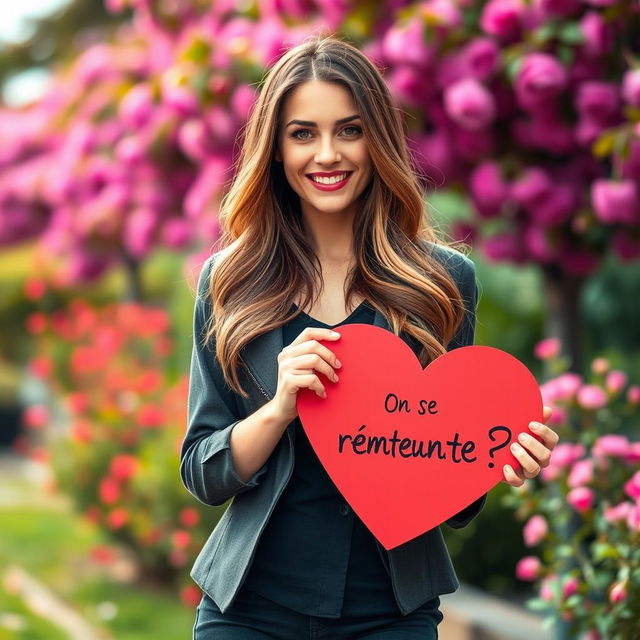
x: 409, y: 448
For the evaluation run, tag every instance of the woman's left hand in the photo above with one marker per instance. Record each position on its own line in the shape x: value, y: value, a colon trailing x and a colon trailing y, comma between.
x: 532, y: 454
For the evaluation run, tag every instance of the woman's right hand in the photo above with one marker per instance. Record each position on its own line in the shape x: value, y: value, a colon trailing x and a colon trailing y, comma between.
x: 298, y: 365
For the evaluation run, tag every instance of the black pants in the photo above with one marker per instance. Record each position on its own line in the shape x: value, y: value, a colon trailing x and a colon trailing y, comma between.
x: 252, y: 617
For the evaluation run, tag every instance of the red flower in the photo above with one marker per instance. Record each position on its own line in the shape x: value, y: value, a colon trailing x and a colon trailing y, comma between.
x: 35, y: 416
x: 102, y: 554
x: 109, y: 490
x: 190, y: 595
x: 180, y: 539
x: 81, y: 431
x: 41, y: 367
x: 117, y: 518
x: 34, y: 288
x: 123, y: 466
x: 189, y: 517
x: 151, y: 416
x: 36, y: 322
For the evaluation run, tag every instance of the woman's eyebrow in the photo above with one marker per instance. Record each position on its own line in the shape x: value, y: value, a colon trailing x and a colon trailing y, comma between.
x: 308, y: 123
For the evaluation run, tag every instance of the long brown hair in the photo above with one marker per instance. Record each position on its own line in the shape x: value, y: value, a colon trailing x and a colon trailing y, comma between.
x: 269, y: 259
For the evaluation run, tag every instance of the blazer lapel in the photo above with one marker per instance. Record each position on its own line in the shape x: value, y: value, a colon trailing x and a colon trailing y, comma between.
x: 260, y: 355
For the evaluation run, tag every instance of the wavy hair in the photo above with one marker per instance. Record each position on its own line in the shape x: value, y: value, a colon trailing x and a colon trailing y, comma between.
x: 268, y: 259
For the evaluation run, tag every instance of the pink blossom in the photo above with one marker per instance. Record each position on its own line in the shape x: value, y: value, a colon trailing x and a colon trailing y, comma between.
x: 548, y: 587
x: 570, y: 586
x: 581, y: 473
x: 242, y: 101
x: 615, y: 381
x: 470, y: 104
x: 137, y: 106
x: 591, y: 397
x: 528, y: 568
x: 598, y: 101
x: 503, y: 18
x: 406, y: 44
x: 565, y: 8
x: 539, y: 244
x: 612, y: 445
x: 539, y: 80
x: 631, y: 87
x: 633, y: 394
x: 563, y: 388
x: 547, y: 349
x: 488, y: 188
x: 618, y: 512
x: 444, y: 13
x: 633, y: 519
x: 531, y: 187
x: 535, y: 530
x: 633, y: 453
x: 557, y: 207
x: 480, y: 57
x: 503, y: 246
x: 615, y: 201
x: 618, y: 592
x: 581, y: 499
x: 435, y: 156
x: 632, y: 486
x: 600, y: 365
x: 598, y: 34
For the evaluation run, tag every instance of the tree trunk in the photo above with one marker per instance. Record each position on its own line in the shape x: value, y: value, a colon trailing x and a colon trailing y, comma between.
x: 563, y: 320
x: 133, y: 291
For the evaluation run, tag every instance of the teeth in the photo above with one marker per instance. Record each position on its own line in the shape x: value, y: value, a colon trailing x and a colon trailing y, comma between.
x: 331, y: 180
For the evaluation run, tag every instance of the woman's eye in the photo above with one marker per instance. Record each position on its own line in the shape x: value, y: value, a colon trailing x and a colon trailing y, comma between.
x: 356, y: 130
x: 295, y: 134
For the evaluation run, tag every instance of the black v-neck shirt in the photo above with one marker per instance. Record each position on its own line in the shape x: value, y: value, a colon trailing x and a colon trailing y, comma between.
x: 315, y: 555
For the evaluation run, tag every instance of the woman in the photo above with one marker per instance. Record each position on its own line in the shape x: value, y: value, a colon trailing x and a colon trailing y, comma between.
x: 324, y: 225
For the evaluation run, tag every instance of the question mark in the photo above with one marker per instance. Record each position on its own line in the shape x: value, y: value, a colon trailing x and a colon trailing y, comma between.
x: 500, y: 446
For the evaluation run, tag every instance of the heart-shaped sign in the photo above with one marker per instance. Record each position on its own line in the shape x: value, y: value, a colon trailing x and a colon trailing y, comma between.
x: 409, y: 448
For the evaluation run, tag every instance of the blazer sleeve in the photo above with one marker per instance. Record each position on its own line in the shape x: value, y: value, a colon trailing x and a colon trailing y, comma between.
x: 206, y: 465
x: 464, y: 273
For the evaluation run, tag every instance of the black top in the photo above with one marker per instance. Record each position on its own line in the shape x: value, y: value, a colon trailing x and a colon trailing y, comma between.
x: 315, y: 556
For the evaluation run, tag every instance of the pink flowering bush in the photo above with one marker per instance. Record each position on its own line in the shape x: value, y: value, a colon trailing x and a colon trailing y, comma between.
x: 582, y: 514
x: 117, y: 453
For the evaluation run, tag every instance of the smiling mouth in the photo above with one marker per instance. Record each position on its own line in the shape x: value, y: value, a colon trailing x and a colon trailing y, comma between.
x: 330, y: 183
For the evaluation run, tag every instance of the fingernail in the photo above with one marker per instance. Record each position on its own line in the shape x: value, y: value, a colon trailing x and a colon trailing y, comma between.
x: 338, y: 363
x: 515, y: 448
x: 534, y: 426
x: 523, y: 437
x: 335, y: 378
x: 507, y: 468
x: 335, y: 334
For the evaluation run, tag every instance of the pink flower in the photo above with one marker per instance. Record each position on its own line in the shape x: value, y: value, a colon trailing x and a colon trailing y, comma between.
x: 581, y: 499
x: 528, y: 568
x: 615, y: 200
x: 598, y: 34
x: 564, y: 387
x: 480, y: 57
x: 633, y: 394
x: 503, y: 18
x: 581, y: 473
x: 548, y: 587
x: 406, y: 44
x: 592, y: 397
x: 618, y: 592
x: 488, y: 188
x: 612, y: 445
x: 600, y: 365
x: 540, y: 79
x: 631, y: 87
x: 633, y: 519
x: 470, y: 104
x: 618, y: 512
x: 615, y: 381
x: 570, y: 586
x: 598, y: 101
x: 632, y: 486
x: 531, y: 187
x: 547, y: 349
x: 535, y: 530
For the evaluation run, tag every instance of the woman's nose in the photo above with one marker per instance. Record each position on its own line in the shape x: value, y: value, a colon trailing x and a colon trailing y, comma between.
x: 327, y: 152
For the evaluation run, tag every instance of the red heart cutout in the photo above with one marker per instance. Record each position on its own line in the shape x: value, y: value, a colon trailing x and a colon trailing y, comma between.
x: 398, y: 487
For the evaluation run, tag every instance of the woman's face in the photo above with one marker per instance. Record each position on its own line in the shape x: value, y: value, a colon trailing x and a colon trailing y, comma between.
x: 321, y: 133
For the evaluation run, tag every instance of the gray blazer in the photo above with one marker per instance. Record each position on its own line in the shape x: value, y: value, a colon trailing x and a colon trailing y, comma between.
x: 420, y: 569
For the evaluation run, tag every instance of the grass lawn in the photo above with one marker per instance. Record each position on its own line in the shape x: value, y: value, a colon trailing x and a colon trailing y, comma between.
x: 52, y: 544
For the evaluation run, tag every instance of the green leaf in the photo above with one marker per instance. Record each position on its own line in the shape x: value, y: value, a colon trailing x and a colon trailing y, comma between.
x: 537, y: 604
x: 571, y: 33
x: 603, y: 551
